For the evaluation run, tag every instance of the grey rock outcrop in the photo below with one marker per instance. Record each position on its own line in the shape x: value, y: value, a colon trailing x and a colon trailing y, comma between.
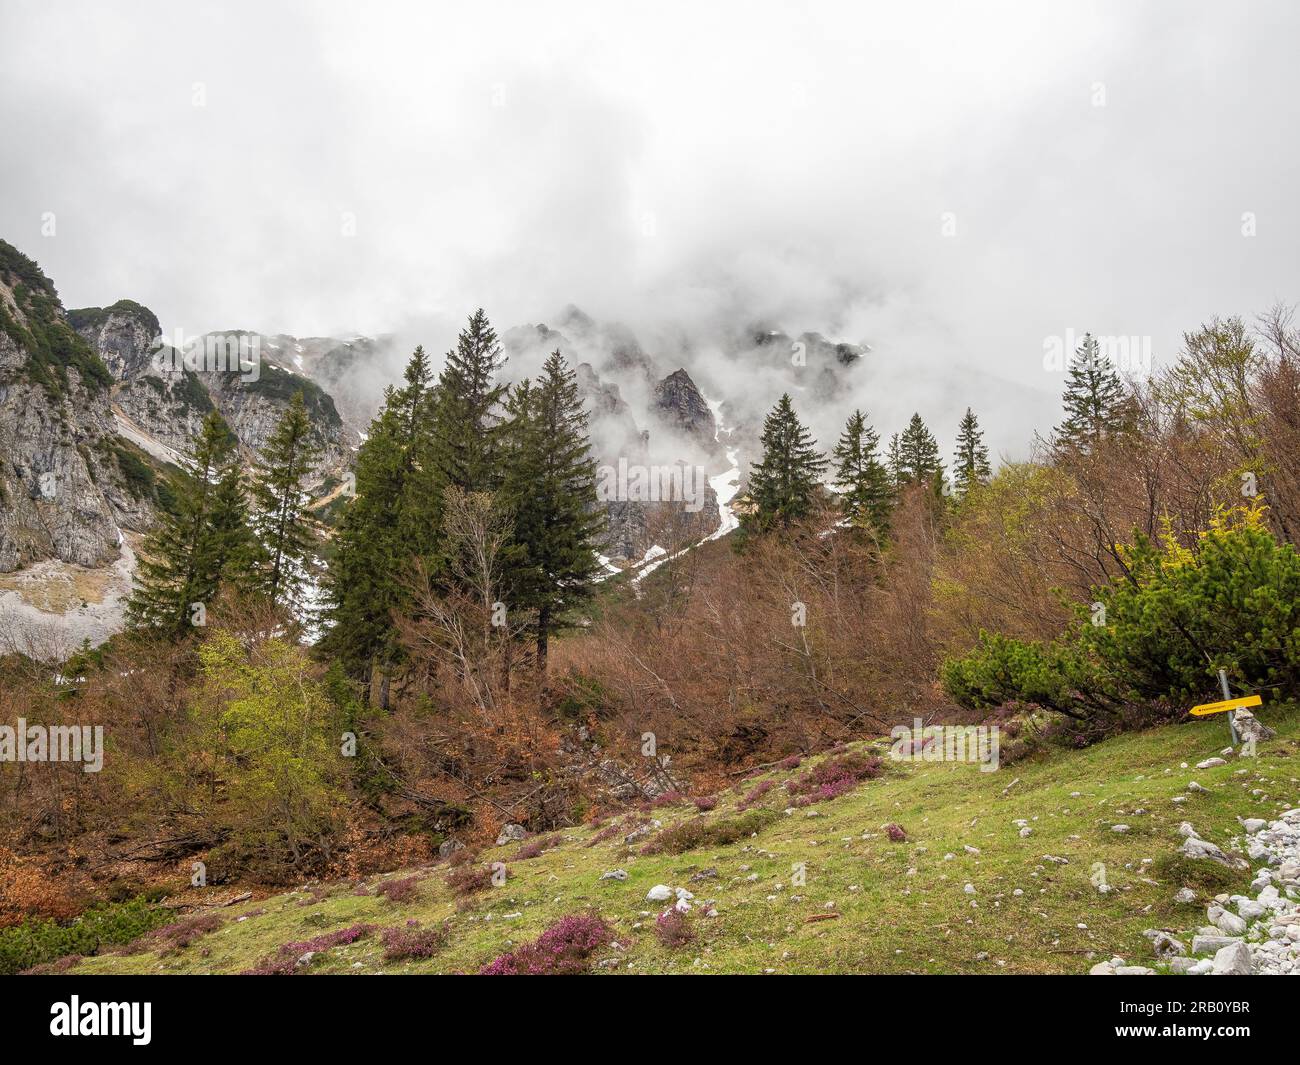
x: 680, y: 407
x: 63, y: 493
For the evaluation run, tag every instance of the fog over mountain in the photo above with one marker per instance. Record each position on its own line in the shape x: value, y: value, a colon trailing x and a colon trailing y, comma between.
x: 690, y: 171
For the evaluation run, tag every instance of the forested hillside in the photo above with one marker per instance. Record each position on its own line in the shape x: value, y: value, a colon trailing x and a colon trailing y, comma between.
x: 469, y: 671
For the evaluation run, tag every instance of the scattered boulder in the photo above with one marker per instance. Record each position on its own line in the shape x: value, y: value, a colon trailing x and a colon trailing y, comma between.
x: 1232, y: 960
x: 511, y: 834
x: 1165, y: 945
x: 1206, y: 944
x: 1225, y: 920
x: 1202, y: 849
x: 1250, y: 728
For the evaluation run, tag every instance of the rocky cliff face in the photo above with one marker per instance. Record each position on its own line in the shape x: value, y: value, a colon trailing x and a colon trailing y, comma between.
x: 67, y: 483
x: 253, y: 409
x: 159, y: 412
x: 680, y: 406
x: 351, y: 372
x: 123, y: 335
x: 159, y: 403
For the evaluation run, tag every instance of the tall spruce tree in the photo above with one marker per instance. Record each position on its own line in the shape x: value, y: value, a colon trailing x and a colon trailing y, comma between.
x: 866, y: 489
x: 894, y: 460
x: 783, y: 484
x: 469, y: 409
x: 202, y: 541
x: 374, y: 544
x: 971, y: 460
x: 550, y: 487
x: 279, y: 505
x: 1093, y: 399
x: 916, y: 456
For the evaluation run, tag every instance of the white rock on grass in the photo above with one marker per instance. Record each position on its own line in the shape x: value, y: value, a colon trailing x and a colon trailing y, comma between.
x: 1225, y: 920
x: 1210, y: 763
x: 660, y: 893
x: 1232, y: 960
x: 1205, y: 944
x: 1200, y: 848
x: 1165, y: 945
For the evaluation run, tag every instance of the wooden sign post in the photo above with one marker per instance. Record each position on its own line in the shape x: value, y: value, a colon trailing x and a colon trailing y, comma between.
x: 1228, y: 705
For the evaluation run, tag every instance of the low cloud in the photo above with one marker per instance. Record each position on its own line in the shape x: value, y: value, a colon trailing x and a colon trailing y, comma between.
x: 950, y: 184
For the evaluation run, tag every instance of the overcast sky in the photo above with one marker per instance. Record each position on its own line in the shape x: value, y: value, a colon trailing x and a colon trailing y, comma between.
x: 952, y: 183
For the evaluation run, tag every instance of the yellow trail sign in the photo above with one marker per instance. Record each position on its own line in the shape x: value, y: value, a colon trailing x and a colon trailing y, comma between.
x: 1227, y: 704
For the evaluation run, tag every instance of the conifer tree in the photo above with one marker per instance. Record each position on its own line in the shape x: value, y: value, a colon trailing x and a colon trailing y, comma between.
x: 202, y: 541
x: 971, y: 461
x: 783, y: 484
x: 867, y: 492
x: 374, y: 545
x: 469, y: 409
x: 1093, y: 399
x: 279, y: 503
x: 916, y: 454
x: 894, y: 460
x: 550, y: 487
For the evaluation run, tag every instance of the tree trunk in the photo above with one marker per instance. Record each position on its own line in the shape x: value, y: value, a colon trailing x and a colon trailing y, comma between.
x: 543, y: 635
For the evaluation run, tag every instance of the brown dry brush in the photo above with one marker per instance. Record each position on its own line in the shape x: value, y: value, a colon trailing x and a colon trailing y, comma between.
x: 729, y: 678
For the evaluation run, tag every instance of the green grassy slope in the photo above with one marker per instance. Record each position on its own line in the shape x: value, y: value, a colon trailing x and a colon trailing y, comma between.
x: 902, y: 906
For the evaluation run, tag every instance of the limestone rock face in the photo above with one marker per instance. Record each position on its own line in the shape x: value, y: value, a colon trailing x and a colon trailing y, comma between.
x: 160, y: 400
x: 123, y: 335
x: 680, y: 405
x: 58, y: 471
x: 253, y: 409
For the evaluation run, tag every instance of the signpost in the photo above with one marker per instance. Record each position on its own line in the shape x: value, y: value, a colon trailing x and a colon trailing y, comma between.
x: 1228, y: 705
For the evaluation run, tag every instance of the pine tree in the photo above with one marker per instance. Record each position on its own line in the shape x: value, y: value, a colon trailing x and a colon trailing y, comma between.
x: 783, y: 485
x: 915, y: 456
x: 202, y: 541
x: 550, y: 487
x: 1093, y: 399
x: 894, y: 461
x: 376, y: 536
x: 867, y: 492
x: 971, y: 461
x: 469, y: 405
x: 279, y: 503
